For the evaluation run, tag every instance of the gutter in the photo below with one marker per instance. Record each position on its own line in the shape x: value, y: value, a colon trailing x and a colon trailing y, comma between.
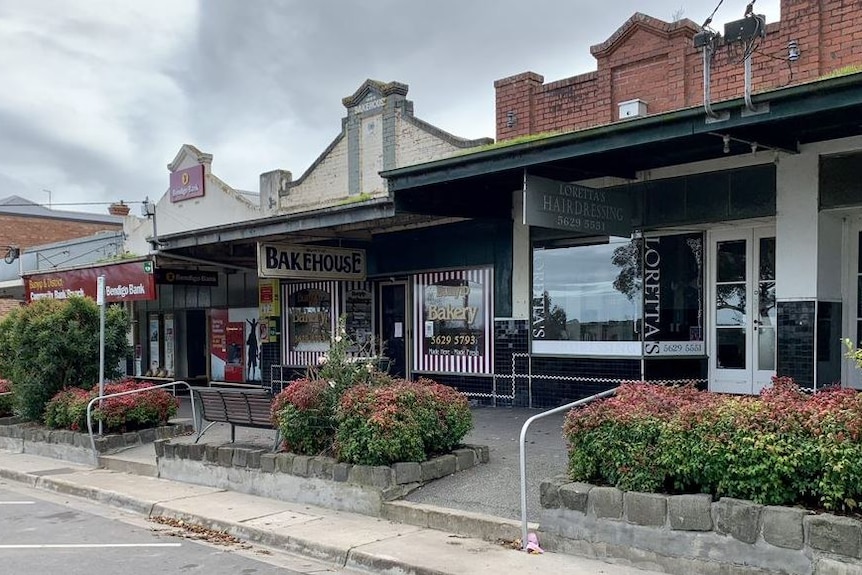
x: 621, y: 128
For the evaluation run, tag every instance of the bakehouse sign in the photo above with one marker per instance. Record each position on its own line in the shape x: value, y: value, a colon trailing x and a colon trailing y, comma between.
x: 310, y: 262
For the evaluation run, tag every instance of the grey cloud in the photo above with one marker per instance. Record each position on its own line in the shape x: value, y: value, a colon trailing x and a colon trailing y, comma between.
x: 267, y: 77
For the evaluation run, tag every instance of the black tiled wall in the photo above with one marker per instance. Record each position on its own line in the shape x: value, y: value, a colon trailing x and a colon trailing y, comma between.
x: 796, y: 341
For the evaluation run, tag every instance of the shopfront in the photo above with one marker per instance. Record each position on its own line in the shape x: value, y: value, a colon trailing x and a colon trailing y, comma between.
x: 437, y: 322
x: 129, y: 283
x: 669, y: 249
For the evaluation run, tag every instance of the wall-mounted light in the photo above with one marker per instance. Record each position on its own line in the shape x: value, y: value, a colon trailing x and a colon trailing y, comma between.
x: 793, y: 50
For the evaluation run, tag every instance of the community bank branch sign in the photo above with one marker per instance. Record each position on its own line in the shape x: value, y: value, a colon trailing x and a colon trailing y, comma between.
x: 131, y: 281
x: 310, y: 262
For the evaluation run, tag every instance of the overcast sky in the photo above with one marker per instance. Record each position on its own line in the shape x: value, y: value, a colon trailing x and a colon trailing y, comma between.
x: 96, y: 96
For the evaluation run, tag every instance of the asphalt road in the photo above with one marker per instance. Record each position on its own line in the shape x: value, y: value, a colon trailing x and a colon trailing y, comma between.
x: 45, y: 534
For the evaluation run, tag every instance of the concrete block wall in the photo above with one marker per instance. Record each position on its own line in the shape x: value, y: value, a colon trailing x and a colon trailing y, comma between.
x: 692, y: 533
x: 316, y: 480
x: 656, y: 61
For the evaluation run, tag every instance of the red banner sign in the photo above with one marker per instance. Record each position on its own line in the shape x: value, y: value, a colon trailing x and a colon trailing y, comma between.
x: 132, y: 281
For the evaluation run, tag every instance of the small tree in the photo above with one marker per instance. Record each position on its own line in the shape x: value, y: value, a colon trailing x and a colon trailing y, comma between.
x: 52, y: 344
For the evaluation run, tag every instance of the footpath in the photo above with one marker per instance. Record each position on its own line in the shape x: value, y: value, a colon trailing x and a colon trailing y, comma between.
x: 462, y: 504
x: 346, y: 540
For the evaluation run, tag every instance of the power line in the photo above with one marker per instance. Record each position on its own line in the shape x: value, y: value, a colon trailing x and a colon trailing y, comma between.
x: 708, y: 21
x: 2, y: 205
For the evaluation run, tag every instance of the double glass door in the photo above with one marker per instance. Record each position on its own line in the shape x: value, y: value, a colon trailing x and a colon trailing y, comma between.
x: 743, y: 310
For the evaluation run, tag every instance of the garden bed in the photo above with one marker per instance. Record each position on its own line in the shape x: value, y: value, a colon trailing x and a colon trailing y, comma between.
x: 315, y: 480
x: 23, y: 437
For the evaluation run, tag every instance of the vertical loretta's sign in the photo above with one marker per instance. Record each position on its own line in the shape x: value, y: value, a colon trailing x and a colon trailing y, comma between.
x: 454, y: 322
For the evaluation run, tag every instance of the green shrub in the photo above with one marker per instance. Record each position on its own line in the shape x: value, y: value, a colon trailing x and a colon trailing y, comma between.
x: 401, y: 421
x: 304, y: 413
x: 49, y: 345
x: 5, y: 398
x: 68, y: 408
x: 782, y: 448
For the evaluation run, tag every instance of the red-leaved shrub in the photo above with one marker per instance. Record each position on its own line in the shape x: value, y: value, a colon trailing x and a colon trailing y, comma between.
x: 68, y: 408
x: 400, y: 421
x: 786, y: 446
x: 303, y: 412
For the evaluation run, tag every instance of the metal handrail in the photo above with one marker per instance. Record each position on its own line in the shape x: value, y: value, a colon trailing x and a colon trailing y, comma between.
x: 120, y: 393
x: 524, y: 452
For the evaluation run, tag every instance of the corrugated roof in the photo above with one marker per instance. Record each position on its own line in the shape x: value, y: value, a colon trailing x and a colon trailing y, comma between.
x: 18, y: 206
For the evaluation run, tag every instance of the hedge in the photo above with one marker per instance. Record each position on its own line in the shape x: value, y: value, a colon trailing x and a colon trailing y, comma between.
x: 68, y: 408
x: 785, y: 447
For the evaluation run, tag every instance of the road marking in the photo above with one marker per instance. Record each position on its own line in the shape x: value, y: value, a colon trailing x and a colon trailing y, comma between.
x: 17, y: 502
x: 89, y: 545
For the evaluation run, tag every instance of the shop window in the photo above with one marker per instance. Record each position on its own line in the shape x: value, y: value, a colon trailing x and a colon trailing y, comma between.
x: 586, y: 296
x: 622, y: 297
x: 674, y: 295
x: 310, y: 320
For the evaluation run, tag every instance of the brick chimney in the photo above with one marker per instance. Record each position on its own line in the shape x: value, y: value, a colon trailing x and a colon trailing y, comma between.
x: 118, y: 209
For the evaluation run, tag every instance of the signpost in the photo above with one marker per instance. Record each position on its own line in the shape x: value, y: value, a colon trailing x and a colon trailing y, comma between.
x: 100, y: 300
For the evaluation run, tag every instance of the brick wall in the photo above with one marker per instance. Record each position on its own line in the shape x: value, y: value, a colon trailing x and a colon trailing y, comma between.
x: 656, y: 61
x: 25, y: 231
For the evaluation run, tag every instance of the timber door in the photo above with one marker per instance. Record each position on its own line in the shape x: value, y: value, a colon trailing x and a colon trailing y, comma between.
x: 393, y: 326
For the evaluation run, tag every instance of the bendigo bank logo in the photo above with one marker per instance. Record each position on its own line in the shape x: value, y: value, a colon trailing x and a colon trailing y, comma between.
x: 187, y: 184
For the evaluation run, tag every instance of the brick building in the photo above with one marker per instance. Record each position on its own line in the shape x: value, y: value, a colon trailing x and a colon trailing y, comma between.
x: 657, y: 63
x: 669, y: 219
x: 24, y: 223
x: 33, y: 237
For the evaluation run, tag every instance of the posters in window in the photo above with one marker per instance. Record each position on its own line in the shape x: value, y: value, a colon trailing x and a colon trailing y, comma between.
x: 453, y: 319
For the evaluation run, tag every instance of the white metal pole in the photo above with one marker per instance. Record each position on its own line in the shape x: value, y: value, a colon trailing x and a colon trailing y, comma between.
x: 100, y: 299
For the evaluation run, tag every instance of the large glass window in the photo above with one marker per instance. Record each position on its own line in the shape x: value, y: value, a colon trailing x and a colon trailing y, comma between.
x: 587, y: 299
x: 621, y: 297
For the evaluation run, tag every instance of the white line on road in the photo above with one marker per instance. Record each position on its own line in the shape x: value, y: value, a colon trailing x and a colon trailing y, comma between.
x: 89, y: 545
x: 17, y: 502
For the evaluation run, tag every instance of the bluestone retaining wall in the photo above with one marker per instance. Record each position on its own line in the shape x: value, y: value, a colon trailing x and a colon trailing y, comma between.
x: 693, y: 534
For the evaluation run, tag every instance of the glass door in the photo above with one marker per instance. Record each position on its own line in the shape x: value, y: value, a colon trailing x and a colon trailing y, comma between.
x: 743, y: 312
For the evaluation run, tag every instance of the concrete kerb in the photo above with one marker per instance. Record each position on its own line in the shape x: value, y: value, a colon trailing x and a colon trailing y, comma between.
x: 342, y: 556
x: 112, y: 498
x: 290, y: 543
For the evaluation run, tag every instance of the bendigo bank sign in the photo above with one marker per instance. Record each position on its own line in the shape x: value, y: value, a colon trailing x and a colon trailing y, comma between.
x: 310, y: 262
x: 123, y: 282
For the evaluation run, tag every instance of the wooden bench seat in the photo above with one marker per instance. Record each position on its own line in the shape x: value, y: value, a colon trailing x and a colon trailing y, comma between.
x: 249, y: 407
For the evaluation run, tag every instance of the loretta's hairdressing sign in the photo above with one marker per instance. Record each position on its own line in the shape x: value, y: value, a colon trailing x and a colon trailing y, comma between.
x: 310, y: 262
x: 132, y: 281
x: 576, y: 208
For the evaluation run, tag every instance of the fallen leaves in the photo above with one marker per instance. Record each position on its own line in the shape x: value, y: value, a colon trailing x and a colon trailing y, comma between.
x: 195, y: 532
